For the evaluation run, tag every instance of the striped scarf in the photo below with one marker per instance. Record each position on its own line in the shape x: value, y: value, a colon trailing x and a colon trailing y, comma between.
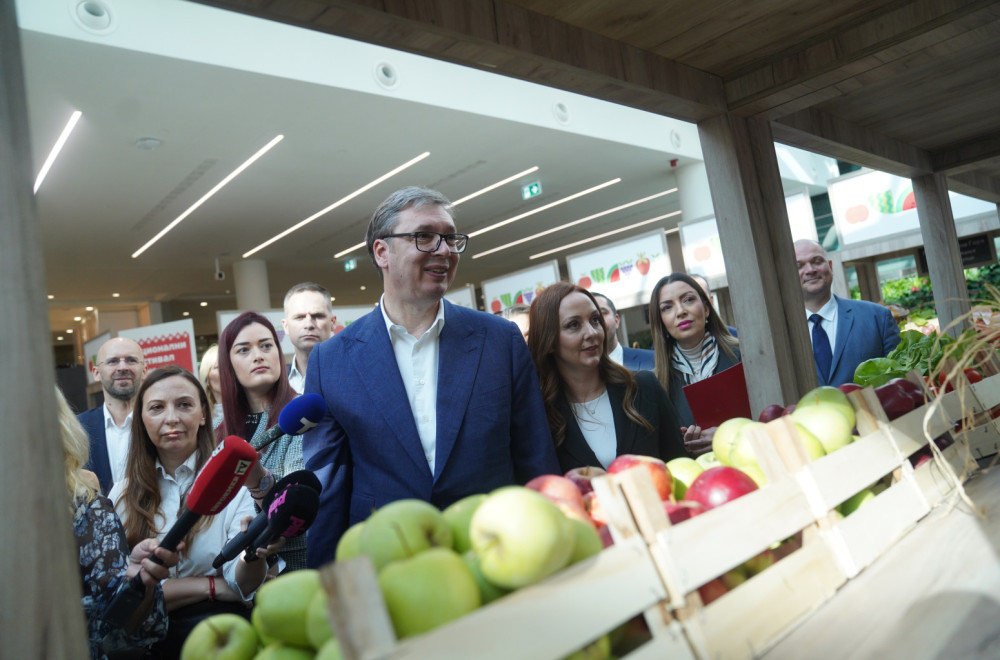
x: 709, y: 360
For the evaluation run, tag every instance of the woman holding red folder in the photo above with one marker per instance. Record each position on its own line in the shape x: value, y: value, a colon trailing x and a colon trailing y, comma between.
x: 597, y: 409
x: 691, y: 343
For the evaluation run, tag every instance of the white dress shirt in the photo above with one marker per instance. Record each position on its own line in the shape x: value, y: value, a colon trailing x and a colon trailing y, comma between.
x: 596, y: 420
x: 618, y: 355
x: 828, y: 313
x: 295, y: 378
x: 117, y: 438
x: 197, y: 559
x: 417, y: 360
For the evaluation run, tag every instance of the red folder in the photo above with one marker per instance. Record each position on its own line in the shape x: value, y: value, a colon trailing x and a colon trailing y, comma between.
x: 719, y: 397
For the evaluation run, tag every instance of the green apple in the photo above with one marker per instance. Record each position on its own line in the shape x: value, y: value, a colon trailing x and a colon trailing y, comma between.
x: 683, y: 471
x: 734, y: 577
x: 520, y: 536
x: 725, y: 436
x: 741, y: 452
x: 755, y: 473
x: 707, y: 460
x: 318, y: 628
x: 855, y: 502
x: 459, y: 517
x: 586, y: 541
x: 599, y: 649
x: 281, y: 607
x: 280, y: 651
x: 427, y: 590
x: 827, y: 423
x: 402, y: 529
x: 221, y: 637
x: 488, y: 592
x: 349, y: 545
x: 329, y: 651
x: 814, y: 448
x: 829, y: 396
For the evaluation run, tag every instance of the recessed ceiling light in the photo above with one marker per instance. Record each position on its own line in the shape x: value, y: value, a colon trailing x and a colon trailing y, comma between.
x: 339, y: 202
x: 69, y: 331
x: 59, y: 338
x: 495, y: 185
x: 232, y: 175
x: 186, y: 314
x: 115, y: 295
x: 363, y: 287
x: 545, y: 208
x: 77, y: 318
x: 571, y: 224
x: 56, y: 148
x: 51, y: 297
x: 333, y: 298
x: 89, y: 309
x: 203, y: 303
x: 604, y: 235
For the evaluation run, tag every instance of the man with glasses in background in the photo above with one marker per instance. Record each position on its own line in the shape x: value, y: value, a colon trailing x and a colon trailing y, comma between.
x: 120, y: 368
x: 425, y: 399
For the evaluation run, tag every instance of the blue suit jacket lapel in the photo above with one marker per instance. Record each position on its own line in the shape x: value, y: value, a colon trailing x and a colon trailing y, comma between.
x: 460, y: 350
x: 376, y: 365
x: 845, y: 321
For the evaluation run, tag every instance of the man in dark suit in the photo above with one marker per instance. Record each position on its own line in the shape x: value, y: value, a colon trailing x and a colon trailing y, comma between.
x: 636, y: 359
x: 120, y: 368
x: 859, y: 330
x: 425, y: 399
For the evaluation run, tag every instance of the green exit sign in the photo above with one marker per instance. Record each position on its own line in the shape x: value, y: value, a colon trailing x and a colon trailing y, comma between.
x: 533, y: 189
x: 350, y: 265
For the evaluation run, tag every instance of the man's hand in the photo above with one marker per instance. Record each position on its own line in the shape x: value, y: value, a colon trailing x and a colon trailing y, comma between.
x: 698, y: 441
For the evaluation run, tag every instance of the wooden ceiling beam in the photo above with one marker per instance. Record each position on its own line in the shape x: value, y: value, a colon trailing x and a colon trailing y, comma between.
x: 816, y: 131
x: 976, y: 184
x: 967, y: 157
x: 876, y: 48
x: 501, y: 37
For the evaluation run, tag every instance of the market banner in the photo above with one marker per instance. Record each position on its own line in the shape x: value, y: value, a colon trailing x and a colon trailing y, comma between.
x: 166, y: 343
x: 464, y: 296
x: 90, y: 349
x: 869, y: 205
x: 520, y: 287
x: 625, y: 271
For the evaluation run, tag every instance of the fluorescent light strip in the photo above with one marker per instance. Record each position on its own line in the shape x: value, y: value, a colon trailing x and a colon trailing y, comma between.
x: 339, y: 202
x: 496, y: 185
x: 350, y: 249
x: 56, y: 148
x: 232, y: 175
x: 604, y: 235
x: 571, y: 224
x: 544, y: 208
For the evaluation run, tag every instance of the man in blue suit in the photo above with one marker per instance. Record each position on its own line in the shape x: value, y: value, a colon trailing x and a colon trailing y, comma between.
x: 120, y: 368
x: 635, y: 359
x: 425, y: 399
x: 860, y: 330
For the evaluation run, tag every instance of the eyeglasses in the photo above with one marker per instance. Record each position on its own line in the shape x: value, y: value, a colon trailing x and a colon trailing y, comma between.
x: 429, y: 241
x: 130, y: 361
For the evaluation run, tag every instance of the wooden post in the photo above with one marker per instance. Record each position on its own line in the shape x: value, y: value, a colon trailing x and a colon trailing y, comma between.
x: 871, y: 288
x: 944, y: 261
x: 840, y: 287
x: 40, y: 613
x: 760, y: 260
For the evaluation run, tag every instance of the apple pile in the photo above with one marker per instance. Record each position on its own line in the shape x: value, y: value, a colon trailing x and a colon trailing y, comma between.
x: 289, y: 622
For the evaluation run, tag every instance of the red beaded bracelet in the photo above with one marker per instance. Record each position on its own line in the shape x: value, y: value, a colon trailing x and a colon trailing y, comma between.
x: 211, y: 588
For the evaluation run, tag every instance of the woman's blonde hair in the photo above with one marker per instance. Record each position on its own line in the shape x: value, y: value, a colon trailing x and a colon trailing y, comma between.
x: 208, y: 360
x: 76, y: 447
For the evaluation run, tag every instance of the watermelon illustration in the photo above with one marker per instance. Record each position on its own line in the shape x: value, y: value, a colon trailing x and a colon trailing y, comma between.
x: 616, y: 274
x: 882, y: 202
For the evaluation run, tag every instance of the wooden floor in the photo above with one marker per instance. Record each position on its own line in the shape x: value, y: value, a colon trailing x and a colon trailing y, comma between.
x: 935, y: 594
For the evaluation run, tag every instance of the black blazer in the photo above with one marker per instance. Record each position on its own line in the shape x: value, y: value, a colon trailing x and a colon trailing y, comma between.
x: 98, y: 463
x: 677, y: 397
x: 664, y: 441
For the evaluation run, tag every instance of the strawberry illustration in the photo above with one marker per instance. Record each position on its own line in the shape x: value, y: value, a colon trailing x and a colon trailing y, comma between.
x: 642, y: 264
x: 585, y: 282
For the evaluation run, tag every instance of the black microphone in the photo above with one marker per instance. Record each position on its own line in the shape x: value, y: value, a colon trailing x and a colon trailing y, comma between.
x: 289, y: 515
x: 298, y: 416
x: 244, y: 540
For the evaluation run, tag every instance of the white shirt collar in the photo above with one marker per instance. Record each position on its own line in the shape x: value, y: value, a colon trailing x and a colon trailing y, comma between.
x: 827, y: 312
x: 436, y: 327
x: 109, y: 421
x: 618, y: 355
x: 183, y: 471
x: 295, y: 378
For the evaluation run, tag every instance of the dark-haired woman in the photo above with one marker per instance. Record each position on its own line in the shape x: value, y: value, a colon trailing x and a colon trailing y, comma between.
x: 691, y: 343
x: 255, y: 389
x: 171, y: 441
x: 597, y: 409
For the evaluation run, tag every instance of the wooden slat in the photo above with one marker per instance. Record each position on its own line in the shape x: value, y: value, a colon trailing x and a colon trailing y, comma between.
x: 356, y: 610
x: 750, y: 618
x: 714, y: 542
x: 937, y: 481
x: 853, y: 468
x: 988, y: 391
x: 874, y: 527
x: 984, y: 441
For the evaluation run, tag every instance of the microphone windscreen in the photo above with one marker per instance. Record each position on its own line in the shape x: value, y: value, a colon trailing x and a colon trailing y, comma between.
x: 298, y: 478
x: 290, y: 514
x: 302, y: 413
x: 223, y: 474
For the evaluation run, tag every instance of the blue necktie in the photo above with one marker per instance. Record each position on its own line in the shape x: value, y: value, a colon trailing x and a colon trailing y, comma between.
x: 821, y: 348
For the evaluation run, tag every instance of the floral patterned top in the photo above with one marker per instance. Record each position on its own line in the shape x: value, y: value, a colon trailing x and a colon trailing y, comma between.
x: 104, y: 557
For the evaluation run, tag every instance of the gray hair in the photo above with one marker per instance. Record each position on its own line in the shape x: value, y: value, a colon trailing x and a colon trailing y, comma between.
x: 308, y: 286
x: 514, y: 310
x: 387, y: 214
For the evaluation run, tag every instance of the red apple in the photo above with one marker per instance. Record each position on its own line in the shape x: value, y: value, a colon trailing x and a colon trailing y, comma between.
x: 662, y: 480
x: 895, y: 401
x: 712, y: 590
x: 592, y: 506
x: 716, y: 486
x: 772, y: 412
x: 847, y: 388
x: 605, y: 533
x: 582, y: 477
x: 678, y: 512
x: 915, y: 391
x: 789, y: 409
x: 555, y: 487
x: 573, y: 510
